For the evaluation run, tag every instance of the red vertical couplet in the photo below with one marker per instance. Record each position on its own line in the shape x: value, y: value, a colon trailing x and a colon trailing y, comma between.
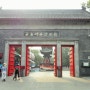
x: 55, y: 61
x: 71, y: 57
x: 11, y: 60
x: 27, y: 61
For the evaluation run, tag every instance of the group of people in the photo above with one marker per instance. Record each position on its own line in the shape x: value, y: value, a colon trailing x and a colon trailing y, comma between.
x: 3, y: 72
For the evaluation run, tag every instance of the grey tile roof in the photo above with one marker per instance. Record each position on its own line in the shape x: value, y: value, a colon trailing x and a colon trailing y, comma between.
x: 56, y: 13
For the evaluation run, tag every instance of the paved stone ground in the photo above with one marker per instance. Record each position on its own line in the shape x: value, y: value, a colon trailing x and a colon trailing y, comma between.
x: 46, y: 81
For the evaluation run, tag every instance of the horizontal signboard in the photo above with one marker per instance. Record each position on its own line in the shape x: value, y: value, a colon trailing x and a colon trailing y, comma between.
x: 42, y: 34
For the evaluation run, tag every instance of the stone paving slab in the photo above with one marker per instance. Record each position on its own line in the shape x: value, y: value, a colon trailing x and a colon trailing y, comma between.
x: 43, y: 81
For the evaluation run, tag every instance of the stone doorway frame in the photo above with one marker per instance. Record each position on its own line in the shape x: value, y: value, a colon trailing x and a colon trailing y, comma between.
x: 58, y: 44
x: 76, y: 55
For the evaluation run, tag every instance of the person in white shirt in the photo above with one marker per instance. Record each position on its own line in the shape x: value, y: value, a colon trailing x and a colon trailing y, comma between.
x: 4, y: 70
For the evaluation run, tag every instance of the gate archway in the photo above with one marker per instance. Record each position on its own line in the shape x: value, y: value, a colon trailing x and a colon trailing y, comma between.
x: 71, y: 64
x: 45, y: 65
x: 57, y: 56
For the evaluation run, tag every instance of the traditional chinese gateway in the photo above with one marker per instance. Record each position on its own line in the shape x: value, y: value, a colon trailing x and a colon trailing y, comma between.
x: 20, y: 29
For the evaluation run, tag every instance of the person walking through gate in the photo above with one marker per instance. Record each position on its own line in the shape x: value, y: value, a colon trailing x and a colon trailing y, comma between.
x: 4, y: 72
x: 17, y: 72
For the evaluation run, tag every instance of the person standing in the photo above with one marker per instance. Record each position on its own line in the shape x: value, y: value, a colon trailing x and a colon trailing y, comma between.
x: 17, y: 72
x: 4, y: 72
x: 0, y: 68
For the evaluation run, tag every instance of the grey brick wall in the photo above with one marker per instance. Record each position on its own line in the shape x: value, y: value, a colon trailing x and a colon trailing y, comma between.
x: 67, y: 32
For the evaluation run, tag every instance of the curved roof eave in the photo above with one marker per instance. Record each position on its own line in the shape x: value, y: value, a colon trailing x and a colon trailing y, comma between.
x: 20, y: 18
x: 45, y: 14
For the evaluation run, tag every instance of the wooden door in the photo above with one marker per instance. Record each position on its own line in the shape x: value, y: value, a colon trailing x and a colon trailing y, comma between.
x: 11, y: 60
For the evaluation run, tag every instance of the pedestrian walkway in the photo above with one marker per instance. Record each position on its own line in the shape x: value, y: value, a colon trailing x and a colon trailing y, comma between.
x: 46, y: 81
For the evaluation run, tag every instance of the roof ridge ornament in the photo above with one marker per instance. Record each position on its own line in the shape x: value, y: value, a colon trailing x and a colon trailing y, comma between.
x: 83, y: 8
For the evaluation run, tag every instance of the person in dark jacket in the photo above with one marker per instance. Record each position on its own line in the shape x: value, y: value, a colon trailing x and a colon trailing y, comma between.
x: 17, y: 72
x: 0, y: 69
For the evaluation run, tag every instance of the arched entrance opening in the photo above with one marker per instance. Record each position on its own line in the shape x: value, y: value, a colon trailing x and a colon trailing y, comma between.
x: 43, y: 56
x: 67, y: 61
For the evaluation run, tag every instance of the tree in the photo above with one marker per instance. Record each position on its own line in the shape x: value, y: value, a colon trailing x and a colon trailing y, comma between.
x: 86, y: 5
x: 65, y: 56
x: 38, y: 58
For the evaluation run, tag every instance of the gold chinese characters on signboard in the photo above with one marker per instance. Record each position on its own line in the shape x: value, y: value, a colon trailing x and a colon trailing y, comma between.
x: 41, y: 34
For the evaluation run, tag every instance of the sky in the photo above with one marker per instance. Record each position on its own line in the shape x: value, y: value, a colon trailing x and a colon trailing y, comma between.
x: 41, y: 4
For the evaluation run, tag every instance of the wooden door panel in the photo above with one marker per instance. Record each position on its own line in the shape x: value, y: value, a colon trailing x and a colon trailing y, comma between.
x: 11, y: 60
